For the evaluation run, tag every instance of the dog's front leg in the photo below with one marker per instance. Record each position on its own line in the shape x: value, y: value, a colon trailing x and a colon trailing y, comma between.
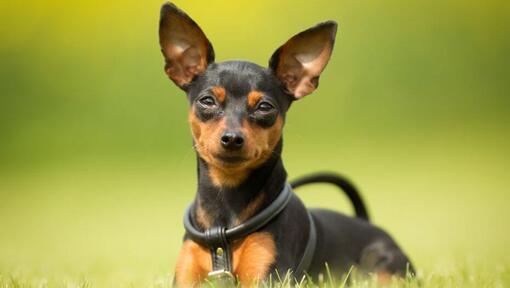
x: 193, y: 264
x: 253, y: 257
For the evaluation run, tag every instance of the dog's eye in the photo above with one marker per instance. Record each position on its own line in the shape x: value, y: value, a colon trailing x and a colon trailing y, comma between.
x: 207, y: 101
x: 265, y: 106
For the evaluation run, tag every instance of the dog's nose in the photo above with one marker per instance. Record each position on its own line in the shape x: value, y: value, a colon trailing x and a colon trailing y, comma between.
x: 232, y: 140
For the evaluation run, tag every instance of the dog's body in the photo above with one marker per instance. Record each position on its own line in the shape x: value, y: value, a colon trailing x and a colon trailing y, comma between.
x: 237, y: 113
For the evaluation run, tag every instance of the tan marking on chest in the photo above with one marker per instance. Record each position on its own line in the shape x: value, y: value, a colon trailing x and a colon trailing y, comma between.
x: 193, y: 264
x: 252, y: 256
x: 384, y: 278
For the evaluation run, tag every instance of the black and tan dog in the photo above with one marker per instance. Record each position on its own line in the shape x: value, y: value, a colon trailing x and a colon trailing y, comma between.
x: 237, y: 113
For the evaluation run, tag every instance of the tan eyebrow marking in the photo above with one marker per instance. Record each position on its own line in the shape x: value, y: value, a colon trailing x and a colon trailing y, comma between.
x: 254, y: 97
x: 220, y: 93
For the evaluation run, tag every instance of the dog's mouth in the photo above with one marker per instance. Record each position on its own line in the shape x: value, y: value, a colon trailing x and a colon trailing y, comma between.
x: 230, y: 159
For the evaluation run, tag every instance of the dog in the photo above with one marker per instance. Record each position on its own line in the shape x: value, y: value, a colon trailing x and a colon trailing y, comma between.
x: 237, y: 114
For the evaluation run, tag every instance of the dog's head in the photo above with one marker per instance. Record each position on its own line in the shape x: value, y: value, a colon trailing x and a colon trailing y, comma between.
x: 237, y: 108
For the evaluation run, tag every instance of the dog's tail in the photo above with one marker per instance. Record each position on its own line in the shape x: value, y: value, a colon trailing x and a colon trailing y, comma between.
x: 342, y: 183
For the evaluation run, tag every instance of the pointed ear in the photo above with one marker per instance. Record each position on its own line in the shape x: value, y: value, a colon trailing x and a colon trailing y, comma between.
x: 299, y: 62
x: 186, y: 50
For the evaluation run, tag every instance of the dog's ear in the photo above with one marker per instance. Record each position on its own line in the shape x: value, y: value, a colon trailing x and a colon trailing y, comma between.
x: 299, y: 62
x: 186, y: 49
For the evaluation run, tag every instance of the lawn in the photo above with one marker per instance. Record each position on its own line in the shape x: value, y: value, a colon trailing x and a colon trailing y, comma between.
x: 119, y: 225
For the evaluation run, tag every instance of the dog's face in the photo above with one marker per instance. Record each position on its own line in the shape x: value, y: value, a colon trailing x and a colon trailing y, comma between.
x: 237, y: 108
x: 236, y: 114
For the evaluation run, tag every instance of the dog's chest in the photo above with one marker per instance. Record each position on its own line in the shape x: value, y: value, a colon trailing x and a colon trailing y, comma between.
x: 252, y: 258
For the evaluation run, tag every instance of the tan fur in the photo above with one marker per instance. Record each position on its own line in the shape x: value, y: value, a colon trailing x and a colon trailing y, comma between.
x: 220, y: 93
x: 259, y: 144
x: 206, y: 135
x: 262, y: 140
x: 228, y: 177
x: 193, y: 264
x: 253, y: 98
x: 252, y: 258
x: 384, y: 277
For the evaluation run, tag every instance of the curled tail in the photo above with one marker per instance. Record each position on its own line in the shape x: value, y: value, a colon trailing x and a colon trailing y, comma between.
x: 340, y: 182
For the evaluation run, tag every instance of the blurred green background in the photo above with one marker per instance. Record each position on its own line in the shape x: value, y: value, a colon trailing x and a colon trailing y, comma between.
x: 96, y: 163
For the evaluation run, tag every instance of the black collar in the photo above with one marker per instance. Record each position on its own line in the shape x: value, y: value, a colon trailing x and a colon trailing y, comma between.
x: 251, y: 225
x: 219, y: 239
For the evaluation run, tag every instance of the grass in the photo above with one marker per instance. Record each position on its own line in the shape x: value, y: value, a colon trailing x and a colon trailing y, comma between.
x: 119, y: 225
x: 464, y: 276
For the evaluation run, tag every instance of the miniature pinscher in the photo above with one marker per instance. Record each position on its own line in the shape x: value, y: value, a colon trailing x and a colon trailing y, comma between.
x: 237, y: 114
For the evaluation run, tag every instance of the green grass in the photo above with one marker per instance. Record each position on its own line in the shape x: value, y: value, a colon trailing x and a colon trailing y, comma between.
x: 463, y: 276
x: 119, y: 225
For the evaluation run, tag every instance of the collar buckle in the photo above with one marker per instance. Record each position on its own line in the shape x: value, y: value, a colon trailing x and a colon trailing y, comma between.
x: 222, y: 277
